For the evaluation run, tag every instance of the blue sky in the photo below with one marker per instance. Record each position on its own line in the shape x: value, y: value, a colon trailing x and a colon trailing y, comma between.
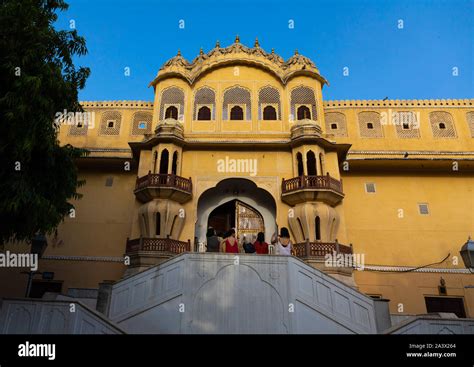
x: 416, y: 61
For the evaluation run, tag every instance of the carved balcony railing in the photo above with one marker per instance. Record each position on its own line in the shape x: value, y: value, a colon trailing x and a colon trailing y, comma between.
x: 164, y: 245
x: 165, y: 186
x: 311, y: 182
x: 318, y: 250
x: 311, y: 188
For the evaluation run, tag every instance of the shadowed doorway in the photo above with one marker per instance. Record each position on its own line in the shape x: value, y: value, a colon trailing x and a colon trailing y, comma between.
x: 222, y: 218
x: 236, y: 214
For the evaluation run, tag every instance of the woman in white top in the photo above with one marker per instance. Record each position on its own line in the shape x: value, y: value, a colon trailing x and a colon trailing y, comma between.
x: 282, y: 242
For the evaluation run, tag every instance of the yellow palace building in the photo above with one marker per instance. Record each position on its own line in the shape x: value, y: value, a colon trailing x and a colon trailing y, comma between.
x: 241, y: 138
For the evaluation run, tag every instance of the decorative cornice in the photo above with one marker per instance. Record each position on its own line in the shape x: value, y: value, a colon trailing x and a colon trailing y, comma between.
x: 385, y: 268
x: 108, y: 150
x: 84, y: 258
x: 237, y: 53
x: 416, y: 152
x: 427, y: 103
x: 121, y: 104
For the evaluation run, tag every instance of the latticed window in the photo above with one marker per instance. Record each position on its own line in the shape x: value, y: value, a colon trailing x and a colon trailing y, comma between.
x: 172, y: 97
x: 110, y: 123
x: 303, y: 97
x: 336, y: 123
x: 406, y: 124
x: 204, y: 97
x: 269, y: 106
x: 370, y: 125
x: 237, y: 97
x: 370, y: 187
x: 141, y: 123
x: 470, y: 121
x: 442, y: 125
x: 78, y: 128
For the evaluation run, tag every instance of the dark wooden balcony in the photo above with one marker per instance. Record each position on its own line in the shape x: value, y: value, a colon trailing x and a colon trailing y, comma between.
x: 163, y: 245
x: 312, y: 188
x: 318, y: 250
x: 164, y: 186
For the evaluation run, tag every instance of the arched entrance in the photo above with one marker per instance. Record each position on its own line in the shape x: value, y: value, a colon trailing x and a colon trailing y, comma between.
x: 239, y: 203
x: 236, y: 214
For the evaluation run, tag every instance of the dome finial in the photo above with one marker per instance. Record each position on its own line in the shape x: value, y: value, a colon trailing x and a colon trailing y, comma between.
x: 256, y: 42
x: 218, y: 44
x: 273, y: 50
x: 237, y: 39
x: 201, y: 52
x: 296, y: 52
x: 179, y: 52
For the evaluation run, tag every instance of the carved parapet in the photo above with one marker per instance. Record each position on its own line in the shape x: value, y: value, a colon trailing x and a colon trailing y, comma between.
x: 296, y: 65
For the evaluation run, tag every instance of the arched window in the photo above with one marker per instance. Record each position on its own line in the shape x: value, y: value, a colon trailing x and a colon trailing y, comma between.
x: 174, y: 164
x: 164, y: 161
x: 303, y: 96
x: 172, y: 97
x: 155, y: 158
x: 236, y: 97
x: 236, y: 113
x: 317, y: 224
x: 204, y: 113
x: 301, y: 228
x: 299, y: 162
x: 269, y: 96
x: 321, y: 163
x: 269, y: 113
x: 158, y: 224
x: 204, y: 97
x: 303, y: 113
x: 311, y: 163
x: 171, y: 113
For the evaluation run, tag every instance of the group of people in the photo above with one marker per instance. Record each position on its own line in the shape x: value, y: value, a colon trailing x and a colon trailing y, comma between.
x: 229, y: 242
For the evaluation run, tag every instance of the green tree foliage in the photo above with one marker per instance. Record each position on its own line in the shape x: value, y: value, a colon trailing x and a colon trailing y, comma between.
x: 38, y: 79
